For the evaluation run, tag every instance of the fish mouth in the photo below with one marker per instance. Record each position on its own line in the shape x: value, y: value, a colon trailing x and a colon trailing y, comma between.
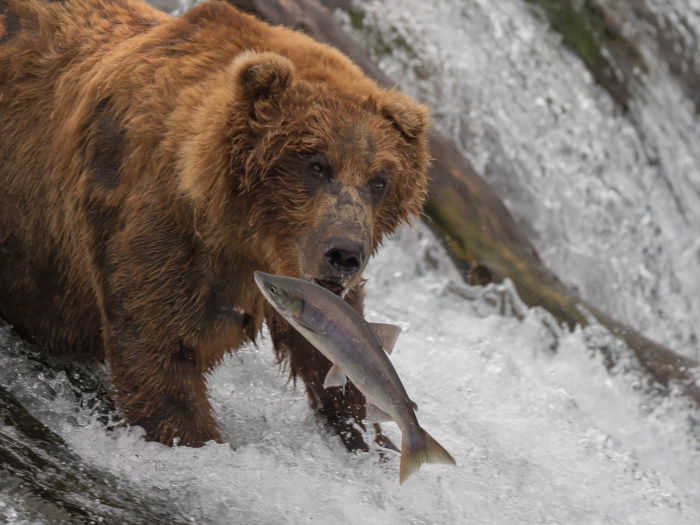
x: 331, y: 286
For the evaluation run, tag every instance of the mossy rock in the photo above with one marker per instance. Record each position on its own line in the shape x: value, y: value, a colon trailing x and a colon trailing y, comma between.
x: 592, y: 32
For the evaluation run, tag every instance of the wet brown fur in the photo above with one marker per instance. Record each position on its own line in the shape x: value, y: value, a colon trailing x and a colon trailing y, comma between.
x: 149, y: 164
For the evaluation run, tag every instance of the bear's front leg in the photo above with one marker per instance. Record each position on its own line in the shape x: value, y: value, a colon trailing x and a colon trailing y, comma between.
x: 160, y: 386
x: 343, y: 409
x: 151, y: 316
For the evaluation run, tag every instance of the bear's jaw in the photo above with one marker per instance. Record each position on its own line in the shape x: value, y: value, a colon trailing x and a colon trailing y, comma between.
x: 331, y: 286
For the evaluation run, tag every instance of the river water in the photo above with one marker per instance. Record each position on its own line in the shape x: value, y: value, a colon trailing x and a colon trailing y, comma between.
x: 541, y: 431
x: 611, y: 201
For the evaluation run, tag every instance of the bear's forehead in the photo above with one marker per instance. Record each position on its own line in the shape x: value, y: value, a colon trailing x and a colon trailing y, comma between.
x: 354, y: 138
x: 355, y: 151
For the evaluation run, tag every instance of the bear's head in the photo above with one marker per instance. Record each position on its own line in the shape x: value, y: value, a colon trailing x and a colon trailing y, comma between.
x: 309, y: 173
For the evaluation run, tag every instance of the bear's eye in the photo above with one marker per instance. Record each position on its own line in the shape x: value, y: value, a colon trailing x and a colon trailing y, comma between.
x: 315, y: 172
x: 318, y: 170
x: 378, y: 186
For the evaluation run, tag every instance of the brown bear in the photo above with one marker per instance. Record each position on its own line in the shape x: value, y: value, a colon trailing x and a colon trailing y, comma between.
x: 149, y: 164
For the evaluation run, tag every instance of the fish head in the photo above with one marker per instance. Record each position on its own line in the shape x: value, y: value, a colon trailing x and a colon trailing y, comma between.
x: 283, y: 293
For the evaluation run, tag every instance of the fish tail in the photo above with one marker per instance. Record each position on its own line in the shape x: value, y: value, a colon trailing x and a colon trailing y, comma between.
x: 415, y: 452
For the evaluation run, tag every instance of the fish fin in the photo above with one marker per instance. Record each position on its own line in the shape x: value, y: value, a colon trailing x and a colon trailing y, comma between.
x: 376, y: 414
x: 386, y: 334
x: 425, y: 450
x: 335, y: 377
x: 413, y: 404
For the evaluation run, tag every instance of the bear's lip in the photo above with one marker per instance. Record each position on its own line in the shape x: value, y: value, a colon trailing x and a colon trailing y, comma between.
x: 331, y: 286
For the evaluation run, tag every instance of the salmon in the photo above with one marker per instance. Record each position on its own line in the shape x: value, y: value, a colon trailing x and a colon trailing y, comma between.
x: 358, y: 351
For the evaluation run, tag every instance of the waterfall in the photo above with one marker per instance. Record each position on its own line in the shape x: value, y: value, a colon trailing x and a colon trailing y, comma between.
x: 542, y: 432
x: 610, y: 198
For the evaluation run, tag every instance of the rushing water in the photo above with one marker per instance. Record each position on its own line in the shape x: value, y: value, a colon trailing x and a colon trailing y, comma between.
x: 539, y: 437
x: 611, y: 201
x: 541, y: 431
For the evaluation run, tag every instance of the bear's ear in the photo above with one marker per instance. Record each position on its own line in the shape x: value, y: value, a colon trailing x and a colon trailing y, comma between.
x: 261, y: 75
x: 410, y: 118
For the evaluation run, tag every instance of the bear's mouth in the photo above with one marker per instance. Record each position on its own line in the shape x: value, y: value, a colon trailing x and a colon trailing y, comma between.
x: 336, y: 288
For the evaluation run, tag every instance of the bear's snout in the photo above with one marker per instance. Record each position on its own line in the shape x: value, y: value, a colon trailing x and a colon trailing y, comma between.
x: 343, y: 256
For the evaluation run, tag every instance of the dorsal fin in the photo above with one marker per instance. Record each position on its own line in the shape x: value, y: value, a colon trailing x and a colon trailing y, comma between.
x: 386, y: 334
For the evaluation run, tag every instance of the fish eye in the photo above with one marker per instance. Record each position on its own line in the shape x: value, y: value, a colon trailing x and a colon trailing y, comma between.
x: 273, y: 289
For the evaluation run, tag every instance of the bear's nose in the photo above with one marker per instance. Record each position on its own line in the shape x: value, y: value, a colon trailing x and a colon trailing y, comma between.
x: 345, y: 257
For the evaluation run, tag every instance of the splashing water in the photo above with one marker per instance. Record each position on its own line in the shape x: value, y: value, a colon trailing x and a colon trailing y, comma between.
x: 611, y: 201
x: 539, y: 436
x: 541, y: 431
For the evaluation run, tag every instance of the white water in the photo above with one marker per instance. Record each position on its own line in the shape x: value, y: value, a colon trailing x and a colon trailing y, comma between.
x: 539, y: 436
x: 611, y: 202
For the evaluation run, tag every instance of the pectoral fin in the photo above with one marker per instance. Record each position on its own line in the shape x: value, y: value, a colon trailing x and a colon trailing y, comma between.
x: 376, y: 414
x: 386, y: 334
x: 335, y: 377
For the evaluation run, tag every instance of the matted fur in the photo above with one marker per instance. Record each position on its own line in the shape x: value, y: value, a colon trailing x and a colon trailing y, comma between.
x: 149, y: 164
